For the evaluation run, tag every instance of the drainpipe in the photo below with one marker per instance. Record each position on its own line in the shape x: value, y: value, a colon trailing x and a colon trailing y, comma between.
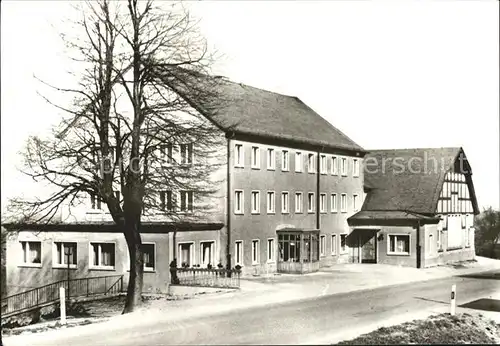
x: 174, y: 250
x: 228, y: 207
x: 318, y: 175
x: 419, y: 247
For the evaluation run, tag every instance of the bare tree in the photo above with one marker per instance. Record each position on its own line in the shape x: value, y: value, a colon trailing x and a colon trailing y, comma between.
x: 144, y: 68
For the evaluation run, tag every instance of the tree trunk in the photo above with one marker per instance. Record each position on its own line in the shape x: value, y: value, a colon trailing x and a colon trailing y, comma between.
x: 135, y: 283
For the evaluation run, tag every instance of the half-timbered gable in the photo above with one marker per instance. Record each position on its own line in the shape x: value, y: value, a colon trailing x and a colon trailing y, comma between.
x: 432, y: 193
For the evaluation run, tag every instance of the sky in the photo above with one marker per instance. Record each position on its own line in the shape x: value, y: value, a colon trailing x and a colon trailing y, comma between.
x: 389, y: 74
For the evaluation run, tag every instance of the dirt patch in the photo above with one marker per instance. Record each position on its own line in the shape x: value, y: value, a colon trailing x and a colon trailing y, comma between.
x: 79, y: 313
x: 438, y: 329
x: 44, y: 326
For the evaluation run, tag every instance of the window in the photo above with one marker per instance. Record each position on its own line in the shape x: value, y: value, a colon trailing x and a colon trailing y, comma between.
x: 170, y: 201
x: 271, y: 201
x: 255, y: 251
x: 187, y: 153
x: 344, y: 166
x: 343, y: 203
x: 334, y: 202
x: 310, y: 202
x: 162, y: 200
x: 95, y: 202
x: 238, y: 155
x: 334, y: 244
x: 334, y: 167
x: 355, y: 167
x: 238, y: 252
x: 166, y: 152
x: 284, y: 203
x: 310, y: 163
x: 322, y: 245
x: 255, y: 202
x: 32, y: 253
x: 207, y: 253
x: 298, y: 162
x: 271, y: 159
x: 65, y: 253
x: 438, y: 240
x: 355, y: 202
x: 399, y: 244
x: 238, y: 202
x: 270, y: 251
x: 284, y: 161
x: 322, y: 202
x: 186, y: 201
x: 322, y: 164
x: 149, y: 253
x: 103, y: 255
x: 255, y: 157
x: 166, y: 200
x: 298, y: 202
x: 343, y: 243
x: 186, y: 254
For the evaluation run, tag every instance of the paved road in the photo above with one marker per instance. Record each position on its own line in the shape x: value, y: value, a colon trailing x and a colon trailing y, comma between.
x: 298, y: 322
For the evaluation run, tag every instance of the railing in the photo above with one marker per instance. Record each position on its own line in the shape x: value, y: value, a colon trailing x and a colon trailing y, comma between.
x: 208, y: 277
x: 297, y: 267
x: 49, y: 294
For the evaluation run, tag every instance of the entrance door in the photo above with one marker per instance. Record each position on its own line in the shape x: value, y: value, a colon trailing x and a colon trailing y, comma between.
x: 368, y: 243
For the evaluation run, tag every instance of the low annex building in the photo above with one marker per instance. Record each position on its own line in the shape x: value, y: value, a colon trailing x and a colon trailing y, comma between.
x: 419, y: 209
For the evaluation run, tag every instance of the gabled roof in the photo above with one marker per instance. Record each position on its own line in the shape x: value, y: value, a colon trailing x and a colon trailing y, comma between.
x: 411, y: 179
x: 263, y: 113
x: 241, y: 109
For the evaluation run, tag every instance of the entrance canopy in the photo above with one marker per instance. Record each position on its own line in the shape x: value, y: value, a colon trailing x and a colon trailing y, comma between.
x: 382, y: 217
x: 298, y: 250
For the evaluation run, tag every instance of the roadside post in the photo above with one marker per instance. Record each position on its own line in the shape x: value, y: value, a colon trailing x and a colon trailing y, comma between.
x: 62, y: 304
x: 68, y: 251
x: 453, y: 299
